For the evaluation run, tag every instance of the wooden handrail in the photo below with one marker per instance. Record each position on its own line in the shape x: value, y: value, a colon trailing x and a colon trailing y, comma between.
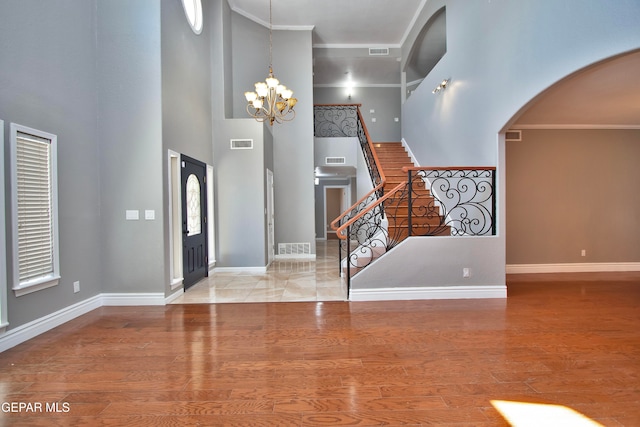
x: 337, y: 105
x: 369, y: 208
x: 383, y: 179
x: 343, y: 214
x: 442, y: 168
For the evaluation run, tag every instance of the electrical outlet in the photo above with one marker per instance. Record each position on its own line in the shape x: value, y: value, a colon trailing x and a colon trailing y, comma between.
x: 466, y: 272
x: 76, y: 287
x: 584, y: 252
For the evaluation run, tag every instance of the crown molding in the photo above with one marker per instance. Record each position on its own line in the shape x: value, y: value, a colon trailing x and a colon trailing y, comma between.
x: 572, y: 126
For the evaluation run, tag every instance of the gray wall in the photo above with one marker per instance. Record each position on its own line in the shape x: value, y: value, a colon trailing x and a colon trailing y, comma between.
x: 250, y: 58
x: 385, y: 101
x: 218, y: 22
x: 493, y: 75
x: 186, y: 84
x: 569, y: 190
x: 130, y: 144
x: 240, y: 195
x: 50, y: 85
x: 186, y: 97
x: 293, y: 141
x: 336, y: 147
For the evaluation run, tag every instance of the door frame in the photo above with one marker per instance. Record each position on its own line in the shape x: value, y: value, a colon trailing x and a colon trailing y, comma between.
x: 345, y: 204
x: 271, y: 233
x: 204, y: 224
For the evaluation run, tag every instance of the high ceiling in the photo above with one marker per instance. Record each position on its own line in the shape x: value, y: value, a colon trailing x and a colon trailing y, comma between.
x: 344, y: 30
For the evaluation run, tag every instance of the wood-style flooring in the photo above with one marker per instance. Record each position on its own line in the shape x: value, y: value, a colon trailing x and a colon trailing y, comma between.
x: 566, y: 340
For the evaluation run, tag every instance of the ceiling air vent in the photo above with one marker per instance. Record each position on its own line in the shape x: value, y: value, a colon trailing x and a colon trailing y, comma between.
x: 242, y: 144
x: 335, y: 160
x: 513, y: 135
x: 378, y: 51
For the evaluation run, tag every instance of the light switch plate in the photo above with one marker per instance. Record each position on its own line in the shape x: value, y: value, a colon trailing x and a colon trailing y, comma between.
x: 149, y: 214
x: 132, y: 215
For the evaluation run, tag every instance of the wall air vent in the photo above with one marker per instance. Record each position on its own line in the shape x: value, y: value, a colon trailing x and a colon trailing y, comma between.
x: 378, y: 51
x: 242, y: 144
x: 513, y: 135
x: 335, y: 160
x: 293, y: 250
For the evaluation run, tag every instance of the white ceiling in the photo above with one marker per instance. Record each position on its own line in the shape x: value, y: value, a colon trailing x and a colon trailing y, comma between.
x: 343, y: 30
x: 338, y: 22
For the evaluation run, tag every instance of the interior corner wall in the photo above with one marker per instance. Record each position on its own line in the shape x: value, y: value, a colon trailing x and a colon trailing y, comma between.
x: 240, y: 195
x: 501, y: 55
x: 186, y: 84
x: 50, y: 86
x: 384, y: 101
x: 186, y: 96
x: 250, y: 57
x: 293, y: 142
x: 130, y: 145
x: 570, y: 190
x: 218, y: 19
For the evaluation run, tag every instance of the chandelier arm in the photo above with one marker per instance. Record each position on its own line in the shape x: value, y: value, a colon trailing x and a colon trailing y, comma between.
x: 273, y: 105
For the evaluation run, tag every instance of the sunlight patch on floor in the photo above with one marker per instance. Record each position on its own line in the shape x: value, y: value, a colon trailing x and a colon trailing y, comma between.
x: 524, y: 414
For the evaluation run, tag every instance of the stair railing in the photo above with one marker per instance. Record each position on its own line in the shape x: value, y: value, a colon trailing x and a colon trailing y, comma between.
x: 456, y: 200
x: 433, y: 201
x: 364, y: 220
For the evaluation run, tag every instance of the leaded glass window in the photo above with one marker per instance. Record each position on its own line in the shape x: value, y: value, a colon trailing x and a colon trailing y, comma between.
x: 194, y: 210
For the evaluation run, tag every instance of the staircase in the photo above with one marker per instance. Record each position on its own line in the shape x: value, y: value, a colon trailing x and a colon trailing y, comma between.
x: 426, y: 218
x: 401, y: 202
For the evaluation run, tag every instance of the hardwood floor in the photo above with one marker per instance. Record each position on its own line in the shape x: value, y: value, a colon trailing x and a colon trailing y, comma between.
x: 571, y: 340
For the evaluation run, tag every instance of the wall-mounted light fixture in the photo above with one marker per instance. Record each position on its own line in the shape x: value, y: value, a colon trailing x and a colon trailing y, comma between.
x: 442, y: 86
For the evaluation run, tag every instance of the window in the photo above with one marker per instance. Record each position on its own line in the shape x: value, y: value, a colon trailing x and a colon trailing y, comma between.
x: 34, y: 209
x: 193, y: 12
x: 194, y: 211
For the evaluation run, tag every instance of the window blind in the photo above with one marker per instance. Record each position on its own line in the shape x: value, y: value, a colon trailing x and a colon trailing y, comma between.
x: 35, y: 220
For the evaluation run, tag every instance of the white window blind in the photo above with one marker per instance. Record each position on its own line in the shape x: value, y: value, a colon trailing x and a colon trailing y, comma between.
x: 34, y: 210
x: 35, y: 219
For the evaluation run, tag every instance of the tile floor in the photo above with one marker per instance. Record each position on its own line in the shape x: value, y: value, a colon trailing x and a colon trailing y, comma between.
x: 285, y: 280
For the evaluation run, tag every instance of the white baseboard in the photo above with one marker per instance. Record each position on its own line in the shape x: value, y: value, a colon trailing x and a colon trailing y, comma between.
x: 125, y: 299
x: 173, y: 296
x: 572, y: 267
x: 249, y: 270
x: 436, y: 292
x: 39, y: 326
x: 309, y: 257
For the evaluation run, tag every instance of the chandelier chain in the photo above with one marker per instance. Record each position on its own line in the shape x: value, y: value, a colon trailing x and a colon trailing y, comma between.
x: 270, y: 38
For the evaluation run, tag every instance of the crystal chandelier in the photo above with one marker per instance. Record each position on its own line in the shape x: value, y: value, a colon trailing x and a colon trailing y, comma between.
x: 271, y: 100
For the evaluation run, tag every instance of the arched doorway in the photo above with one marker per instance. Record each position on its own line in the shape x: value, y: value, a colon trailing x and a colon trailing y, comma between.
x: 571, y: 198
